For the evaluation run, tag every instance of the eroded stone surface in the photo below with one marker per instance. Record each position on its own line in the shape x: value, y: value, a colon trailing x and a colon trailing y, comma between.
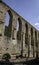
x: 12, y: 41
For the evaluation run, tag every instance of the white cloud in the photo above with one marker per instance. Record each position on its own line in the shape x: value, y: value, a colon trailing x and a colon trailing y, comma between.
x: 36, y: 24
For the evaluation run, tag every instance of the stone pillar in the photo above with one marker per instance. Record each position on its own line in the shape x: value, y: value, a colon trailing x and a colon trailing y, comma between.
x: 22, y: 43
x: 34, y: 43
x: 23, y: 39
x: 29, y: 41
x: 38, y: 44
x: 14, y: 36
x: 2, y: 18
x: 14, y: 28
x: 2, y: 26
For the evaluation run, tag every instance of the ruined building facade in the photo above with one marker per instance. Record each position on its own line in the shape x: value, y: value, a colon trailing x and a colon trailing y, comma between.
x: 19, y: 37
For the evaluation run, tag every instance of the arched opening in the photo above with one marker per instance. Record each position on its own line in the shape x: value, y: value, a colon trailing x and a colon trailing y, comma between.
x: 19, y: 35
x: 32, y: 43
x: 31, y: 36
x: 6, y: 56
x: 26, y: 35
x: 19, y: 29
x: 36, y: 44
x: 8, y: 23
x: 7, y: 19
x: 26, y: 40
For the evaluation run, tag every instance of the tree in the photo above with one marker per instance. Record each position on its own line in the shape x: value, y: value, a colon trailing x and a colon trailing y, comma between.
x: 6, y: 56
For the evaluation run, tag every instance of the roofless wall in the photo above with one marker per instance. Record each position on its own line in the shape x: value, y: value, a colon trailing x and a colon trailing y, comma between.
x: 19, y: 38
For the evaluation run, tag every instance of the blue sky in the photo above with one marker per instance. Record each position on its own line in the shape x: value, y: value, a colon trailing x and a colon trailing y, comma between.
x: 28, y: 9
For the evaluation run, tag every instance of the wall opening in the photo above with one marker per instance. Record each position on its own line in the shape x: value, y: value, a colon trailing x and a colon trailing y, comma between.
x: 8, y: 23
x: 31, y: 37
x: 26, y: 35
x: 7, y: 19
x: 36, y: 44
x: 19, y: 29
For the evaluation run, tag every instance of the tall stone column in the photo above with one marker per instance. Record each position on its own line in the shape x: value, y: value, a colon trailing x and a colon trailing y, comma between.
x: 23, y: 41
x: 38, y: 44
x: 29, y: 41
x: 14, y: 36
x: 2, y: 26
x: 14, y: 28
x: 2, y: 18
x: 34, y: 43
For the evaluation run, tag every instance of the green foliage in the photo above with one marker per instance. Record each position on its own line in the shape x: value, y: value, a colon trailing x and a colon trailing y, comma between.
x: 6, y: 56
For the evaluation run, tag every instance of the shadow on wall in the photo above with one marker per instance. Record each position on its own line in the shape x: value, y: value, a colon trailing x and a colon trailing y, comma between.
x: 31, y: 62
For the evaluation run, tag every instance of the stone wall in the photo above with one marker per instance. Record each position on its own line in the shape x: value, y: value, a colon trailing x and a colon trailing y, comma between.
x: 21, y: 38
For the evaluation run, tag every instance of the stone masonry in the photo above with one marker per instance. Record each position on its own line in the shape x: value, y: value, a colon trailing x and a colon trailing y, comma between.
x: 24, y: 41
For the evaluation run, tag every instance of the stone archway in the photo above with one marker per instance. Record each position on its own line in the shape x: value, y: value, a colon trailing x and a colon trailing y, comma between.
x: 8, y: 28
x: 26, y: 34
x: 19, y: 30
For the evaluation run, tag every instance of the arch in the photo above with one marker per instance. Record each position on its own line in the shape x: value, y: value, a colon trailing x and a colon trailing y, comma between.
x: 7, y: 19
x: 26, y: 34
x: 8, y: 27
x: 32, y: 37
x: 19, y: 29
